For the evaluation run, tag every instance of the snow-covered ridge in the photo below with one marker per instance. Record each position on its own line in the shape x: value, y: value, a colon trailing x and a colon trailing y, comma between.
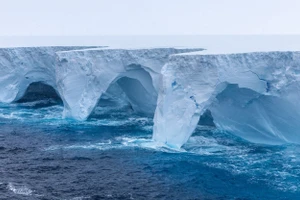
x: 254, y: 95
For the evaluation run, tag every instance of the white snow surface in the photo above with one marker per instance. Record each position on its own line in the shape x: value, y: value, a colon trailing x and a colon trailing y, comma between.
x: 253, y: 95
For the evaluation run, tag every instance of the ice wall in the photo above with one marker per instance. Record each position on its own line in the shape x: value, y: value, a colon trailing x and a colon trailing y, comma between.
x: 84, y: 75
x: 253, y: 95
x: 19, y: 67
x: 195, y: 82
x: 81, y: 75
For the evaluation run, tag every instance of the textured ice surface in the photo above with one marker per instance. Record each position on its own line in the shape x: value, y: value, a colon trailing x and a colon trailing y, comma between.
x: 84, y: 75
x: 253, y: 95
x: 261, y: 107
x: 19, y: 67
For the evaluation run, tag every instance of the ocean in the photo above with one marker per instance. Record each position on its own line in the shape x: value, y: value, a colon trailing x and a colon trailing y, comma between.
x: 112, y: 156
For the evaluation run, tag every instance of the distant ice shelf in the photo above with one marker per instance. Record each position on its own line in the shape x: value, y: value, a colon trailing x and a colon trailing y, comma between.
x: 253, y: 95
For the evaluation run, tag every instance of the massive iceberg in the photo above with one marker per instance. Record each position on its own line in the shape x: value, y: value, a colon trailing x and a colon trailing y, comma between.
x: 252, y: 95
x: 19, y: 67
x: 83, y: 76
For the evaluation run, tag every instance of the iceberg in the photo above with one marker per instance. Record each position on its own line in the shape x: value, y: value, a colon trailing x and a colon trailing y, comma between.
x: 252, y: 95
x: 19, y: 67
x: 83, y: 76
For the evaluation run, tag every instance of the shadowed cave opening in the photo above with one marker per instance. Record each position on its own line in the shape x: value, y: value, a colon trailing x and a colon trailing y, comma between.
x: 113, y: 103
x: 39, y: 94
x: 206, y: 119
x: 141, y: 100
x: 131, y: 94
x: 256, y: 117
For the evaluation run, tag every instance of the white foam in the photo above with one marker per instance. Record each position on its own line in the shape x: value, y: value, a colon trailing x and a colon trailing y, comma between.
x: 80, y: 198
x: 122, y: 142
x: 19, y: 189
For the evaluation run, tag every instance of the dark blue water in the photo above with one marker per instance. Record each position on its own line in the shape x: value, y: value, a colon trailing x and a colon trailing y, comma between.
x: 111, y: 156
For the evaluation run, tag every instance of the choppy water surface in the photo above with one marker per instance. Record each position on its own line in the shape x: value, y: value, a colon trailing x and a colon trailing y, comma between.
x: 111, y: 156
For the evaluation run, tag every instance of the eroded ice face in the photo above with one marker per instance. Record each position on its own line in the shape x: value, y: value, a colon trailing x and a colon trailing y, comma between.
x: 262, y: 107
x: 252, y: 95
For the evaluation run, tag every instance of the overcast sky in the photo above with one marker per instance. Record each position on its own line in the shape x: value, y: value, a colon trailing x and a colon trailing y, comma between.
x: 148, y: 17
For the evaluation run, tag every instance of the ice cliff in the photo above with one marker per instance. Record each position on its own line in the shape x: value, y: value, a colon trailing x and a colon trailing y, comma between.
x: 19, y: 67
x: 83, y: 76
x: 252, y: 95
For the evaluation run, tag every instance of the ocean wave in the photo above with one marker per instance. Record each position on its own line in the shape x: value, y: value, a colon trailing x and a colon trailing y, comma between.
x: 19, y: 189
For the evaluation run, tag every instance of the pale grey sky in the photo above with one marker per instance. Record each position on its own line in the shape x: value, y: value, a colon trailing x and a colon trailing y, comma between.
x: 148, y: 17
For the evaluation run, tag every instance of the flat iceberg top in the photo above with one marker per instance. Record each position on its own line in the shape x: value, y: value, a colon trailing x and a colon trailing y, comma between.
x: 249, y: 51
x: 52, y: 48
x: 153, y: 58
x: 183, y: 49
x: 216, y: 53
x: 215, y: 44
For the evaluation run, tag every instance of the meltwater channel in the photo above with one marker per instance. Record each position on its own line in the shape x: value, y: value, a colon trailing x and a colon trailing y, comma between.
x: 111, y: 156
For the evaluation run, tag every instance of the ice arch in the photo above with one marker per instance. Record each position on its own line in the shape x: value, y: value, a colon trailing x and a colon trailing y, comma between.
x: 19, y: 67
x: 193, y: 83
x: 85, y: 75
x: 133, y: 88
x: 135, y: 82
